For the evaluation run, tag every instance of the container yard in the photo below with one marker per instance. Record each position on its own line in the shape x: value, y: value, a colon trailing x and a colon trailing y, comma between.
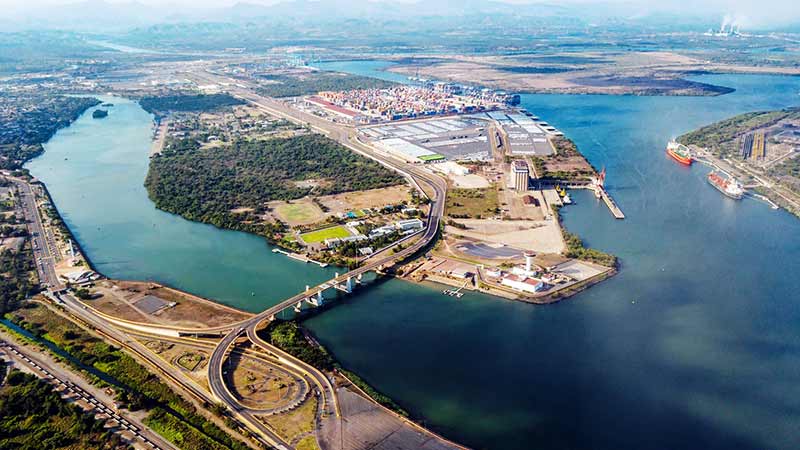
x: 463, y: 138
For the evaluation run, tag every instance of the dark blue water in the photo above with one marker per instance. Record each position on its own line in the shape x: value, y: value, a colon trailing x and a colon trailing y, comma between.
x: 695, y: 344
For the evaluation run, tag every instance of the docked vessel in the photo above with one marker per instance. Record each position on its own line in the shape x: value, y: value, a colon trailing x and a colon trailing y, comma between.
x: 728, y: 186
x: 679, y: 153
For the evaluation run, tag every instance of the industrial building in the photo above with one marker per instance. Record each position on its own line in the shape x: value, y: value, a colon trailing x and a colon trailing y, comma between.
x: 520, y: 175
x: 410, y: 224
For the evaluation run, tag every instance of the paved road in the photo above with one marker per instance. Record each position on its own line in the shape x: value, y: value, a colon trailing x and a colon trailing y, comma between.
x: 45, y: 367
x: 44, y: 245
x: 172, y: 373
x: 347, y: 137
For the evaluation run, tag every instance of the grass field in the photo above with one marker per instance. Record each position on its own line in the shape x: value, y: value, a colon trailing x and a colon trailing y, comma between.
x: 314, y: 237
x: 299, y: 212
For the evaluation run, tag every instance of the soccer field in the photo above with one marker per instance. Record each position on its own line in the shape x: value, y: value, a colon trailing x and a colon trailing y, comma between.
x: 326, y: 233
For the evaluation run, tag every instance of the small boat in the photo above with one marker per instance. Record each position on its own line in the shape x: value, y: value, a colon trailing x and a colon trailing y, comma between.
x: 566, y: 199
x: 679, y: 153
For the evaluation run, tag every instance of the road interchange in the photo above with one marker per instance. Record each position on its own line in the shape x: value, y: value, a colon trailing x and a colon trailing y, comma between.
x: 118, y: 330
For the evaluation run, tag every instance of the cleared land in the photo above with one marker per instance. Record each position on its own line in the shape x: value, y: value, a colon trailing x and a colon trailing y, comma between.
x: 472, y: 203
x: 540, y: 235
x: 372, y: 198
x: 298, y: 212
x: 326, y: 233
x: 259, y: 385
x: 119, y: 299
x: 296, y: 423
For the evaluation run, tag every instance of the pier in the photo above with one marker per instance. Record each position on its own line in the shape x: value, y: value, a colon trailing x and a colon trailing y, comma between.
x: 299, y: 257
x: 612, y: 206
x: 455, y: 292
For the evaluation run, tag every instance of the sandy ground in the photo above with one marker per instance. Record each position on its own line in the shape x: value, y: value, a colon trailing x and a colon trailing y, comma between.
x: 349, y: 201
x: 160, y: 137
x: 517, y: 209
x: 471, y: 181
x: 542, y: 236
x: 118, y: 299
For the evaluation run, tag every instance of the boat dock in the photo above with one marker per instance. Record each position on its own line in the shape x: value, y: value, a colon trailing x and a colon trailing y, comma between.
x: 299, y: 257
x: 455, y: 292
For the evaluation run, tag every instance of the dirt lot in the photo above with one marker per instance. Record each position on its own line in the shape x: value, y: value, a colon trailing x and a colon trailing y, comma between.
x: 348, y: 201
x: 516, y: 208
x: 260, y: 385
x: 119, y: 297
x: 295, y: 423
x: 298, y: 212
x: 543, y: 236
x: 305, y: 211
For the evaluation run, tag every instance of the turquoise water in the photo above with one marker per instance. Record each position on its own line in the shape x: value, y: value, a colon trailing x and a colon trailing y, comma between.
x: 95, y: 172
x: 695, y: 344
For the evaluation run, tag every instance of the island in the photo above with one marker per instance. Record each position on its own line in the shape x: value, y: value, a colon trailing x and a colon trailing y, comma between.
x: 99, y: 114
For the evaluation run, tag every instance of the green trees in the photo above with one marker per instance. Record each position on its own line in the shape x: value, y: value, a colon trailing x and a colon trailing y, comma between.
x: 197, y: 102
x: 575, y: 249
x: 311, y: 83
x: 33, y: 416
x: 35, y: 120
x: 206, y: 184
x: 15, y: 279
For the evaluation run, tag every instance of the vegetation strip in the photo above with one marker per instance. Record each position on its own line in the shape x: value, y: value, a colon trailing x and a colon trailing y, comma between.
x: 174, y: 418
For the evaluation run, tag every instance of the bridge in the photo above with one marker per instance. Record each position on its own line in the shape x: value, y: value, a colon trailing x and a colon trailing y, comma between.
x: 429, y: 185
x: 418, y: 177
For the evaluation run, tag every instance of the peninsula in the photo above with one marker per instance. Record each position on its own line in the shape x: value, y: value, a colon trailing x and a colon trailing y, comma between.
x: 759, y: 149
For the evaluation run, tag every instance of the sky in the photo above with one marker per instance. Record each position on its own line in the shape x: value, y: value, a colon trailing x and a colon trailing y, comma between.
x: 747, y: 13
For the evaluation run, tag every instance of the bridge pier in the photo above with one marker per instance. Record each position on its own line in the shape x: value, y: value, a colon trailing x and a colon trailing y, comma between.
x: 349, y: 285
x: 298, y: 307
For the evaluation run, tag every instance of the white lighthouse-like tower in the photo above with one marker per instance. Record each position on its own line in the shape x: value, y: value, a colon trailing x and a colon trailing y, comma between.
x: 529, y: 268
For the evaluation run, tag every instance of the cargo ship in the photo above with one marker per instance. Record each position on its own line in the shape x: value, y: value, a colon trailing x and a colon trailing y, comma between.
x: 679, y: 153
x: 728, y: 186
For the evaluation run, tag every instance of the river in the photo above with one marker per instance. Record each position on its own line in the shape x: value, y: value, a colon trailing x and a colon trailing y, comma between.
x: 693, y: 345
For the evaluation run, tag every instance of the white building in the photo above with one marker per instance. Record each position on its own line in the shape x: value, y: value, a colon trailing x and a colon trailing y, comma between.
x: 409, y: 224
x: 524, y: 284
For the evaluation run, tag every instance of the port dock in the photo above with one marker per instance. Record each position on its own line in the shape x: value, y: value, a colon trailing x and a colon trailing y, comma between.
x: 299, y: 257
x: 612, y: 205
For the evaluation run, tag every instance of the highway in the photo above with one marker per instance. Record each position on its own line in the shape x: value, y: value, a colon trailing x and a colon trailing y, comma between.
x: 43, y: 242
x: 430, y: 186
x: 173, y: 374
x: 347, y: 137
